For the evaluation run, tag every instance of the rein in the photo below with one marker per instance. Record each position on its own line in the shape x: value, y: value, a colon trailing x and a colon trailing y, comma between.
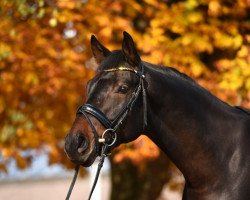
x: 109, y: 136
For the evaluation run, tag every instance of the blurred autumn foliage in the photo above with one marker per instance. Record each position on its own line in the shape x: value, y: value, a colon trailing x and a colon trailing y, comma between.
x: 45, y: 60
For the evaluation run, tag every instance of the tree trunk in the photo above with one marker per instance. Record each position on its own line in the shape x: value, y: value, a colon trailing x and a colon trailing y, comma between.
x: 143, y: 182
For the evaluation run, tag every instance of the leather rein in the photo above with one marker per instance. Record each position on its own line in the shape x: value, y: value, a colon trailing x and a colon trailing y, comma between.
x: 105, y: 143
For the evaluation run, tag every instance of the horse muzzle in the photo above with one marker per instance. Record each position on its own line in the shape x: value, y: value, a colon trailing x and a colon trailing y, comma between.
x: 79, y: 149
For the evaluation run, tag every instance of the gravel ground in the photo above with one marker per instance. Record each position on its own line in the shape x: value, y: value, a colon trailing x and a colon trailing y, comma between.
x: 49, y: 189
x: 54, y: 189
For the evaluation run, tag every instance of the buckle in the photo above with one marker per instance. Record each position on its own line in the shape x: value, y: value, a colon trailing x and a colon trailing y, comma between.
x: 105, y: 140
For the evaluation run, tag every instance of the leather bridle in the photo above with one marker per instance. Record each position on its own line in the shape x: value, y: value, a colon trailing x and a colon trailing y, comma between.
x: 105, y: 143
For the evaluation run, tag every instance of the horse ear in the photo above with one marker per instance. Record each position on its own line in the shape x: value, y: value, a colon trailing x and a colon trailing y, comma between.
x: 99, y: 51
x: 129, y: 50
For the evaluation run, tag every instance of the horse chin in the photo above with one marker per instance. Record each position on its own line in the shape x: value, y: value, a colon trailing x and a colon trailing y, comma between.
x: 89, y: 160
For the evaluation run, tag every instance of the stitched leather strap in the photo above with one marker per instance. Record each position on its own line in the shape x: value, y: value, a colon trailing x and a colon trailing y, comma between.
x: 98, y: 114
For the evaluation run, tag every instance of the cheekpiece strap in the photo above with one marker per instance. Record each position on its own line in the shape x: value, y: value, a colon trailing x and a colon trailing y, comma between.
x: 136, y: 93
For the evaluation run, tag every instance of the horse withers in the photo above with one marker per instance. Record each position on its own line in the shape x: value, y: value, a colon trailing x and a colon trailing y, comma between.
x: 207, y: 139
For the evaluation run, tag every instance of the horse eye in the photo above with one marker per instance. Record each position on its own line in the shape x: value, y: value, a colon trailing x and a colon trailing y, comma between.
x: 123, y: 89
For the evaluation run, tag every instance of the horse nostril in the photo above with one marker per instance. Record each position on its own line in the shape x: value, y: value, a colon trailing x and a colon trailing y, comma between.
x: 82, y: 144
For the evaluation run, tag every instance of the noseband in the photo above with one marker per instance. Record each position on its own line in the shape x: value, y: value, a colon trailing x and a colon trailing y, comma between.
x: 109, y: 136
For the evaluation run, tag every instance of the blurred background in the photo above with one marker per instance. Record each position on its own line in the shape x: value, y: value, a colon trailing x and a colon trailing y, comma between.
x: 45, y: 62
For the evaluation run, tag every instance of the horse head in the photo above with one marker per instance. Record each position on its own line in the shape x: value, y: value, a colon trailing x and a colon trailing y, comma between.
x: 115, y: 109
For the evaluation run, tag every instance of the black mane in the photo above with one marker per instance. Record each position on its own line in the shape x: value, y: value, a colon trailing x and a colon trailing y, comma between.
x: 170, y: 71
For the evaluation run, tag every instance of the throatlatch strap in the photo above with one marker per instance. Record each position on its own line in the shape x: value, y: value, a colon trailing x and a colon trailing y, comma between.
x: 145, y: 111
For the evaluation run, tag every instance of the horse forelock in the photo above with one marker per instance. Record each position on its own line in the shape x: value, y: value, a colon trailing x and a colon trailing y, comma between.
x: 114, y: 60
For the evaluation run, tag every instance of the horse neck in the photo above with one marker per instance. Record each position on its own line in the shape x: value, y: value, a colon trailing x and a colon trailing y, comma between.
x: 181, y: 116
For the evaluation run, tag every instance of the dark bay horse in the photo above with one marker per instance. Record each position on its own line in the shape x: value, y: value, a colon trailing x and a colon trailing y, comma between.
x: 207, y: 139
